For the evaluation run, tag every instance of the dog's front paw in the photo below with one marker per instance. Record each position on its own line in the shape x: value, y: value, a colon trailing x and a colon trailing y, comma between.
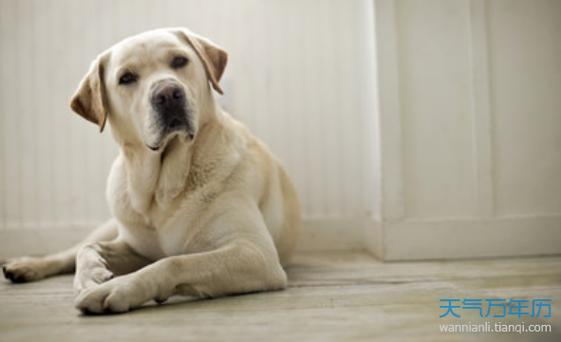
x: 21, y: 270
x: 84, y: 280
x: 117, y: 295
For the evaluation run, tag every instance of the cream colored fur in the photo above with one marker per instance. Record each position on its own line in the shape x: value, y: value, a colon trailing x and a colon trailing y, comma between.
x: 208, y: 216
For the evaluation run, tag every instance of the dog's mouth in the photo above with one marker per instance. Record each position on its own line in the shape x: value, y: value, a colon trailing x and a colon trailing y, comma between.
x: 184, y: 134
x: 153, y: 148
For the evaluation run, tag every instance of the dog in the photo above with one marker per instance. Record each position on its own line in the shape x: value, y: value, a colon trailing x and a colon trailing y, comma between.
x: 199, y: 206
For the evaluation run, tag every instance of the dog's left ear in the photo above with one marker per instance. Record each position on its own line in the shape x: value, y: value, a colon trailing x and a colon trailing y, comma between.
x: 89, y: 101
x: 214, y: 58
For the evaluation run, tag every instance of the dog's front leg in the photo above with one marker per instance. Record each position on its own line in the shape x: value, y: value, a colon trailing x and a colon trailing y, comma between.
x: 24, y: 269
x: 98, y: 262
x: 239, y: 266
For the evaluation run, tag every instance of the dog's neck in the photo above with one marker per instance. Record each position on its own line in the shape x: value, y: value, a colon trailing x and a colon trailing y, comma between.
x: 157, y: 178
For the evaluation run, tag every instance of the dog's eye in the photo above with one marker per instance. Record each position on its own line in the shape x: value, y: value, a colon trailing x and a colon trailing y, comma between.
x: 179, y: 62
x: 128, y: 78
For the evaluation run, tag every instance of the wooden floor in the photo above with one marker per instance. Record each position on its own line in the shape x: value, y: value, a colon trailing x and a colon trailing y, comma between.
x: 331, y: 297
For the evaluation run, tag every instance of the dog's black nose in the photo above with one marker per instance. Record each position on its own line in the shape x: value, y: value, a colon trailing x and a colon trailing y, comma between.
x: 168, y: 95
x: 169, y: 102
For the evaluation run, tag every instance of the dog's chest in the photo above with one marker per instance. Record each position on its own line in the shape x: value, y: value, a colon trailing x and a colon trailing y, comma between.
x: 173, y: 225
x: 175, y: 220
x: 176, y: 225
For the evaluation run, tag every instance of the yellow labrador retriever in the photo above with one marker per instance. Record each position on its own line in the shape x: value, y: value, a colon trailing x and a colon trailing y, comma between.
x: 201, y: 207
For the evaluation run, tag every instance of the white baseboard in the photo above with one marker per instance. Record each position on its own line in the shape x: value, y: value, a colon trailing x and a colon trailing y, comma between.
x: 340, y: 234
x: 451, y: 239
x: 317, y: 234
x: 38, y: 241
x: 395, y: 240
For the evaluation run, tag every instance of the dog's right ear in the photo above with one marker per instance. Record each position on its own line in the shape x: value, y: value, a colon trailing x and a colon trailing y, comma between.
x: 90, y: 101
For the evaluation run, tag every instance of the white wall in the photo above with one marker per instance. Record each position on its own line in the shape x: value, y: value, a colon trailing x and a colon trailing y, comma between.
x: 470, y: 127
x: 470, y: 116
x: 301, y: 75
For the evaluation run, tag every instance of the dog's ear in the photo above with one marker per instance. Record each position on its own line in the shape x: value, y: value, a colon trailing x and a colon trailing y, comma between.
x: 89, y: 101
x: 214, y: 58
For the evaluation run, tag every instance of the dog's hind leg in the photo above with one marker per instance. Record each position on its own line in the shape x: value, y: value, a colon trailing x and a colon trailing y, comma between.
x: 24, y: 269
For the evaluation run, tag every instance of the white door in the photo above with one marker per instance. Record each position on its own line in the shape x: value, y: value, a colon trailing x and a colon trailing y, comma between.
x: 470, y: 112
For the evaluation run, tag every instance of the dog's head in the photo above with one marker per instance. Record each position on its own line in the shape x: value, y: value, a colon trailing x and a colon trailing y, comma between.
x: 152, y: 87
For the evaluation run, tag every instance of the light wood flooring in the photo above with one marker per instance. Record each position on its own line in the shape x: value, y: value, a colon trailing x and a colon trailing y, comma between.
x: 332, y: 296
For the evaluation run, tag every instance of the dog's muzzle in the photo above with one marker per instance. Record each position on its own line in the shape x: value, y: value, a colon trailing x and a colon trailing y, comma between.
x: 169, y: 102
